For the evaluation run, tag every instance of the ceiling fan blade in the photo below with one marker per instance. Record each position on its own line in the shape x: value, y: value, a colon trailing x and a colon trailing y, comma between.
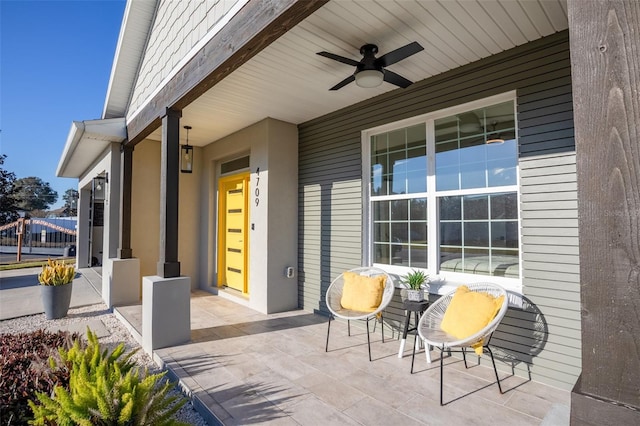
x: 339, y: 58
x: 344, y: 82
x: 397, y: 79
x: 399, y: 54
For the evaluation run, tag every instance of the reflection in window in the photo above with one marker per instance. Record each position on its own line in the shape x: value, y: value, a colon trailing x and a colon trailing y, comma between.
x: 475, y: 199
x: 398, y: 162
x: 400, y: 232
x: 463, y: 158
x: 483, y: 238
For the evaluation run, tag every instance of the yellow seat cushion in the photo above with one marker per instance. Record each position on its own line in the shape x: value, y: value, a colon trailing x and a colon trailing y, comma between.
x: 360, y: 293
x: 469, y: 312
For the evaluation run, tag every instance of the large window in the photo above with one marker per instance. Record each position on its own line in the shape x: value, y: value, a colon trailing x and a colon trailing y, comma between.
x: 443, y: 192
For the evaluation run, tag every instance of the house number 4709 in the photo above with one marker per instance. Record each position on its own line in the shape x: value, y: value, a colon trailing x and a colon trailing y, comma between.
x: 257, y: 191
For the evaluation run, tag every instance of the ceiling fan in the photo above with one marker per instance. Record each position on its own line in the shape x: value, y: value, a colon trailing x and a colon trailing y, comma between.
x: 370, y: 71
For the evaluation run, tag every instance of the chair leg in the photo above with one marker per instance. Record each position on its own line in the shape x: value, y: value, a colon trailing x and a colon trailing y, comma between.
x: 368, y: 340
x: 464, y: 357
x: 413, y: 354
x: 495, y: 370
x: 326, y: 348
x: 382, y: 326
x: 441, y: 372
x: 349, y: 328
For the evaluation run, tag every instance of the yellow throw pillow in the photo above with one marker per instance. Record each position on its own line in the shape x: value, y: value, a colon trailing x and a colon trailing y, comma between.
x: 360, y: 293
x: 469, y: 312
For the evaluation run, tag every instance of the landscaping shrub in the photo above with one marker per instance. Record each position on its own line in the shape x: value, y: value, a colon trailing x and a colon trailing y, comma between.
x: 106, y: 389
x: 23, y: 371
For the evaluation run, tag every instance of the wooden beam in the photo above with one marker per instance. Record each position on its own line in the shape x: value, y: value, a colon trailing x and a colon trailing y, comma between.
x: 254, y: 27
x: 168, y: 265
x: 605, y: 60
x: 126, y: 182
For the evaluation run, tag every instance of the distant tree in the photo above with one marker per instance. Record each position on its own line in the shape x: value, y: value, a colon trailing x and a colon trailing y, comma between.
x: 8, y: 207
x: 32, y: 193
x: 70, y: 198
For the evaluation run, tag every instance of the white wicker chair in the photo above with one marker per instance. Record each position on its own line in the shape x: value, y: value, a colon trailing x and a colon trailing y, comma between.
x: 430, y: 332
x: 334, y: 295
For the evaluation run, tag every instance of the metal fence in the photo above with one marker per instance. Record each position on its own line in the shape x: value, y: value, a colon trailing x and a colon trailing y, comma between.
x: 45, y: 236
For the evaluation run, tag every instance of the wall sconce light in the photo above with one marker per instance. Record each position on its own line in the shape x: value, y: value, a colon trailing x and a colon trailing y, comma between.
x: 99, y: 187
x: 186, y: 157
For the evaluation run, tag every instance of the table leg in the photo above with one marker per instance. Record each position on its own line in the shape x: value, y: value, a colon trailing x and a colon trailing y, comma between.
x: 404, y: 334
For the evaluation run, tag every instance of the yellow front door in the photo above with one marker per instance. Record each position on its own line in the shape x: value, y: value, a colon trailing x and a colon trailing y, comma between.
x: 233, y: 216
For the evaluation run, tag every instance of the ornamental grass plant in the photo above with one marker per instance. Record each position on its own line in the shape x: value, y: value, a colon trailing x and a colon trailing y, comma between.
x: 56, y: 273
x: 415, y: 279
x: 106, y: 388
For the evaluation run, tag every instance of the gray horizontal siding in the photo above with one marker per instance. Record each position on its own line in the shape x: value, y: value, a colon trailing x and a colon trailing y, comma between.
x: 543, y: 338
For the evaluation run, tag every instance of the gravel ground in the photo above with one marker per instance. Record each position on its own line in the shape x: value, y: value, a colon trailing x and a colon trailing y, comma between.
x: 117, y: 333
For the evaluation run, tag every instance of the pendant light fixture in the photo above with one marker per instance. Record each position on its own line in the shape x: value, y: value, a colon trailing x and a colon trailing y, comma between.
x: 186, y: 159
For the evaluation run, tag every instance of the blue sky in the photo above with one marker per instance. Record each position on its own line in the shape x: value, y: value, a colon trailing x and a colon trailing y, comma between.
x: 55, y: 63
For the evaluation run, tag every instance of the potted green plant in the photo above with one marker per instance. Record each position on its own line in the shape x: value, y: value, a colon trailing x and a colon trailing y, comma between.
x: 414, y: 281
x: 56, y: 281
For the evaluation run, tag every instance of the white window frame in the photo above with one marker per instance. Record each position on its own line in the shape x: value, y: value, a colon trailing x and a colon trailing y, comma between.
x: 443, y: 281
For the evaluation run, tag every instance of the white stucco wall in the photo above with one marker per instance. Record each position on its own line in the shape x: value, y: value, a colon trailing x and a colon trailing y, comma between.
x: 106, y: 238
x: 282, y: 227
x: 145, y: 217
x: 273, y: 227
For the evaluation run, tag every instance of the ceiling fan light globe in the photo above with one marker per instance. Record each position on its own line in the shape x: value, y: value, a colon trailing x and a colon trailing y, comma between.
x: 369, y: 78
x: 497, y: 139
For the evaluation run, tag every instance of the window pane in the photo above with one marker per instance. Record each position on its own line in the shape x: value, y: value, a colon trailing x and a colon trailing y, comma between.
x: 380, y: 210
x: 416, y: 136
x: 461, y: 149
x: 451, y: 259
x: 418, y: 256
x: 505, y: 263
x: 501, y: 172
x: 504, y: 234
x: 448, y: 178
x: 381, y: 232
x: 450, y: 208
x: 417, y: 182
x: 377, y: 181
x: 450, y: 233
x: 476, y: 207
x: 470, y: 122
x: 379, y: 143
x: 397, y: 140
x: 381, y: 253
x: 400, y: 255
x: 473, y: 175
x: 476, y: 261
x: 399, y: 210
x: 477, y: 242
x: 418, y: 208
x: 504, y: 206
x: 476, y: 234
x: 400, y: 232
x: 417, y: 160
x: 418, y: 232
x: 472, y: 150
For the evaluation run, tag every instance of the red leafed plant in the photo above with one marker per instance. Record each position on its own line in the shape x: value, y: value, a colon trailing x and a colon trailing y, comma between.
x: 24, y: 371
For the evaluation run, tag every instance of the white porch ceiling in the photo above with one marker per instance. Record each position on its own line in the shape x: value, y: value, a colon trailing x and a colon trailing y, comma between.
x: 289, y: 82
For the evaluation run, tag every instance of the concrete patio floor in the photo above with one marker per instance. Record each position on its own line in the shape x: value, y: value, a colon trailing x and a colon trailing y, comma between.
x: 248, y: 368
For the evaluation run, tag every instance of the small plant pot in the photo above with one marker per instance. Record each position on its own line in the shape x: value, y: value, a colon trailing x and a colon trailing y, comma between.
x: 56, y: 300
x: 415, y: 295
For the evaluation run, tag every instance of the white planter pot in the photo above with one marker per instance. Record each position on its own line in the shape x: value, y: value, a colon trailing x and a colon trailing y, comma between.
x: 415, y: 295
